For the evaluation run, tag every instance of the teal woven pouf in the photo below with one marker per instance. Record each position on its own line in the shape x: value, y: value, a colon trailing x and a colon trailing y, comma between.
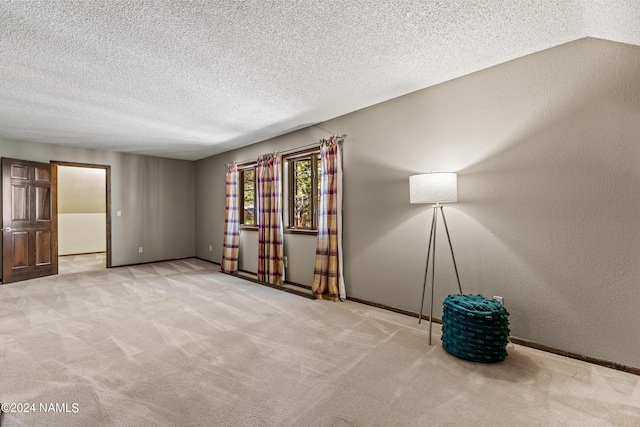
x: 475, y: 328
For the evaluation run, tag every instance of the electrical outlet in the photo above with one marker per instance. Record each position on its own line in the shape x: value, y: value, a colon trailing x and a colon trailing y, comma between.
x: 286, y: 262
x: 140, y: 249
x: 210, y: 248
x: 499, y: 299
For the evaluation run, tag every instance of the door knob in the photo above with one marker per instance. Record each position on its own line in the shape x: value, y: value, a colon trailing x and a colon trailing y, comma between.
x: 8, y: 229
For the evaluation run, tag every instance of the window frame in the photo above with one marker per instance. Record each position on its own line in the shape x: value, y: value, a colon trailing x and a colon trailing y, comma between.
x: 241, y: 169
x: 288, y: 195
x: 288, y: 162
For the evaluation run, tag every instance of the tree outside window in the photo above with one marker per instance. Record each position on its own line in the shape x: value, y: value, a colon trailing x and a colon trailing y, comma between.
x: 248, y: 192
x: 303, y: 191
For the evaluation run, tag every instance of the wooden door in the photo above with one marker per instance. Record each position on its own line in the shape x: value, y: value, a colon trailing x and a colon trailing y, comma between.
x: 29, y: 220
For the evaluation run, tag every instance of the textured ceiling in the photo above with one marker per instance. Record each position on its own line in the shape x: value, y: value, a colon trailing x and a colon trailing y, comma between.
x: 191, y: 79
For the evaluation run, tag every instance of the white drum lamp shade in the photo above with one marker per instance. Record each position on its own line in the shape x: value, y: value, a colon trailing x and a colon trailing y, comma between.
x: 438, y: 187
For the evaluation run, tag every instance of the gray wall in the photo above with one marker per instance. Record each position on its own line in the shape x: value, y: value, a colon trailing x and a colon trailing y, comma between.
x: 155, y: 195
x: 547, y: 148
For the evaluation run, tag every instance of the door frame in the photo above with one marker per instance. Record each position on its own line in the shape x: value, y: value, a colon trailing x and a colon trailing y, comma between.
x: 107, y: 168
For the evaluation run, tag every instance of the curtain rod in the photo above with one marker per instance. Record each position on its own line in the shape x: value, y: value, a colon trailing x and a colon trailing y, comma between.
x: 291, y: 150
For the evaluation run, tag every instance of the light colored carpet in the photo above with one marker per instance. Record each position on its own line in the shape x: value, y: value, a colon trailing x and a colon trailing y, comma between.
x: 180, y: 344
x: 85, y: 262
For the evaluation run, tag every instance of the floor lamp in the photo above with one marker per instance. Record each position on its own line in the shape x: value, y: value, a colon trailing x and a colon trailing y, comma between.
x: 435, y: 188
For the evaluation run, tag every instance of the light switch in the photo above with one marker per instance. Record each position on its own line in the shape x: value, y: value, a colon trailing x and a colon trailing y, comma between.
x: 118, y: 213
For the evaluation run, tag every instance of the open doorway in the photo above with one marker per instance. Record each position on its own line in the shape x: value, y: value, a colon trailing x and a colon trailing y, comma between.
x: 84, y: 238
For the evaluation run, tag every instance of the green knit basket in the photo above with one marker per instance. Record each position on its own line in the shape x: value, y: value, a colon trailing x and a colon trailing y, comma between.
x: 475, y: 328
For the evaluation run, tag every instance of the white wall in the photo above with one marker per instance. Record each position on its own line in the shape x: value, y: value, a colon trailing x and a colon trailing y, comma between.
x: 548, y: 156
x: 82, y: 207
x: 82, y: 233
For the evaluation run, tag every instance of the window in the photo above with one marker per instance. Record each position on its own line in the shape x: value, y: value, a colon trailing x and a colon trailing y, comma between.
x: 248, y: 196
x: 303, y: 193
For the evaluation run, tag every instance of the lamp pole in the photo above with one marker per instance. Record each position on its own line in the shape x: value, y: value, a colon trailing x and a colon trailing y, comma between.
x: 434, y: 188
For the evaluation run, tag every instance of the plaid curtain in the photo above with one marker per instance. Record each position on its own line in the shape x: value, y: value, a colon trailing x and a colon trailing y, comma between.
x: 231, y: 223
x: 328, y: 280
x: 270, y: 229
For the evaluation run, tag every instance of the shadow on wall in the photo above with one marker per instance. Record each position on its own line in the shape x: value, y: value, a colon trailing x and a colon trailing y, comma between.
x: 561, y: 199
x: 374, y: 217
x: 565, y: 200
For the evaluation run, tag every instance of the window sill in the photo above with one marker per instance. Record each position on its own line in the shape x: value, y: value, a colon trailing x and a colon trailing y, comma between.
x: 286, y: 230
x: 300, y: 231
